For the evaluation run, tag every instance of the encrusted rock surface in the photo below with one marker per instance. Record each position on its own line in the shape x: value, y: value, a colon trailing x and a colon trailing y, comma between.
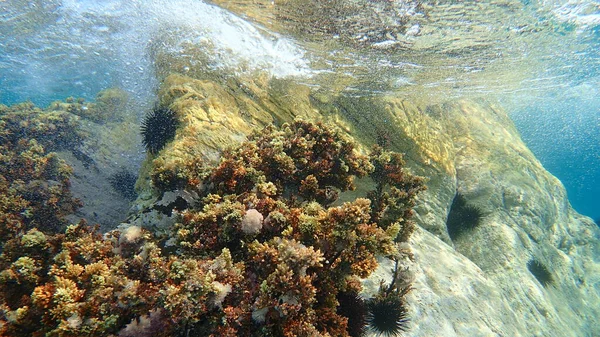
x: 478, y: 285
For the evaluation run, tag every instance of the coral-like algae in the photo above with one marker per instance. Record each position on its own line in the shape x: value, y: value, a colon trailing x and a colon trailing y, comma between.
x: 52, y: 129
x: 305, y: 251
x: 34, y: 184
x: 262, y: 252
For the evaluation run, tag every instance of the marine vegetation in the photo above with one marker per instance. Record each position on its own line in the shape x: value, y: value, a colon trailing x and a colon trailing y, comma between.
x: 34, y: 183
x: 270, y: 203
x: 463, y: 217
x: 158, y: 128
x: 267, y: 250
x: 110, y: 105
x: 540, y: 272
x: 53, y: 129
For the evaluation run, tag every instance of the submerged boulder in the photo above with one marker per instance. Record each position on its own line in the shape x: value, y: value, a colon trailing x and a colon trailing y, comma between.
x: 478, y: 283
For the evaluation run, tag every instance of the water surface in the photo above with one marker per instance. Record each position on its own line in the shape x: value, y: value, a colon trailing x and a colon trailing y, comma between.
x: 538, y: 58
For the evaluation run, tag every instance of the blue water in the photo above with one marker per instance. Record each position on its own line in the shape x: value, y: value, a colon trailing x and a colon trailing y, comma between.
x: 565, y: 136
x: 50, y: 50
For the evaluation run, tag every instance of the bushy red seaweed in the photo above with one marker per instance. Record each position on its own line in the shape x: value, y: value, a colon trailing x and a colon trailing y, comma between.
x: 263, y: 251
x: 306, y: 250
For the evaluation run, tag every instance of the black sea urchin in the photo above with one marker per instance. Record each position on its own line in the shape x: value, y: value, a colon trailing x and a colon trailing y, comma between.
x: 353, y: 307
x: 123, y: 182
x: 541, y: 272
x: 462, y: 217
x: 158, y: 128
x: 387, y: 315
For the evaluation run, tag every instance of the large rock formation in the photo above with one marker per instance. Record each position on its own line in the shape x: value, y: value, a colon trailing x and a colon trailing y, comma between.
x: 528, y: 267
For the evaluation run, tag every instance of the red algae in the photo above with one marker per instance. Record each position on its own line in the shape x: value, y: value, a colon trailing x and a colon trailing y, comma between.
x: 262, y: 251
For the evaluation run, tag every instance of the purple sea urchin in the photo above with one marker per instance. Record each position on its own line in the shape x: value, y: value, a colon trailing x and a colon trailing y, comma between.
x: 158, y: 128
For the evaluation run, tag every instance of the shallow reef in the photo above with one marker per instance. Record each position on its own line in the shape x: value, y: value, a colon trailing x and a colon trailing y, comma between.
x: 34, y: 182
x: 261, y: 251
x: 94, y: 138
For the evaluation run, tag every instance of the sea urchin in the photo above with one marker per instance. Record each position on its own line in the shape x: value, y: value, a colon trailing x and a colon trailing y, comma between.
x: 387, y: 314
x: 158, y: 128
x: 353, y: 307
x: 541, y: 272
x: 123, y: 182
x: 462, y: 217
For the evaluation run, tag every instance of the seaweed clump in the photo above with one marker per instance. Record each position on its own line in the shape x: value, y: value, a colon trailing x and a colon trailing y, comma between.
x: 305, y: 252
x: 463, y: 218
x: 52, y: 129
x: 34, y: 183
x: 82, y: 283
x: 261, y: 253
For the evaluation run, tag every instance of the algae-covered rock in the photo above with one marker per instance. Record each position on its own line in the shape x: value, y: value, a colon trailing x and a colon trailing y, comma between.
x: 480, y: 283
x: 98, y: 140
x: 53, y: 128
x: 213, y: 116
x: 477, y: 283
x: 527, y: 267
x: 110, y: 104
x: 258, y: 248
x: 271, y: 202
x: 34, y: 181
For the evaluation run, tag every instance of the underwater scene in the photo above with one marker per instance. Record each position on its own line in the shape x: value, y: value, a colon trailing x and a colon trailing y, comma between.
x: 300, y: 168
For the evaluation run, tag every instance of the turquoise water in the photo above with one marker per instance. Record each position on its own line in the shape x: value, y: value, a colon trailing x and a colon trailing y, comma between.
x: 564, y: 135
x: 539, y: 59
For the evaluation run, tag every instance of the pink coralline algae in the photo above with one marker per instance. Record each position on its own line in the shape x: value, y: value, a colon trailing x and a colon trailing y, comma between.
x: 252, y: 222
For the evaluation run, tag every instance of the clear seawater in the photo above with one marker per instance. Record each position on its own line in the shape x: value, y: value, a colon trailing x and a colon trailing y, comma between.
x: 540, y: 59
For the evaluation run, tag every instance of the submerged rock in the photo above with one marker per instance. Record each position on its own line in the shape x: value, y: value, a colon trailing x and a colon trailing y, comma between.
x: 100, y: 142
x: 477, y: 285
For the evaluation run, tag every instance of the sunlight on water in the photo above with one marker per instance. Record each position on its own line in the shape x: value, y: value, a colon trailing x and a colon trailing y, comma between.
x: 540, y: 59
x: 76, y: 48
x: 438, y: 49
